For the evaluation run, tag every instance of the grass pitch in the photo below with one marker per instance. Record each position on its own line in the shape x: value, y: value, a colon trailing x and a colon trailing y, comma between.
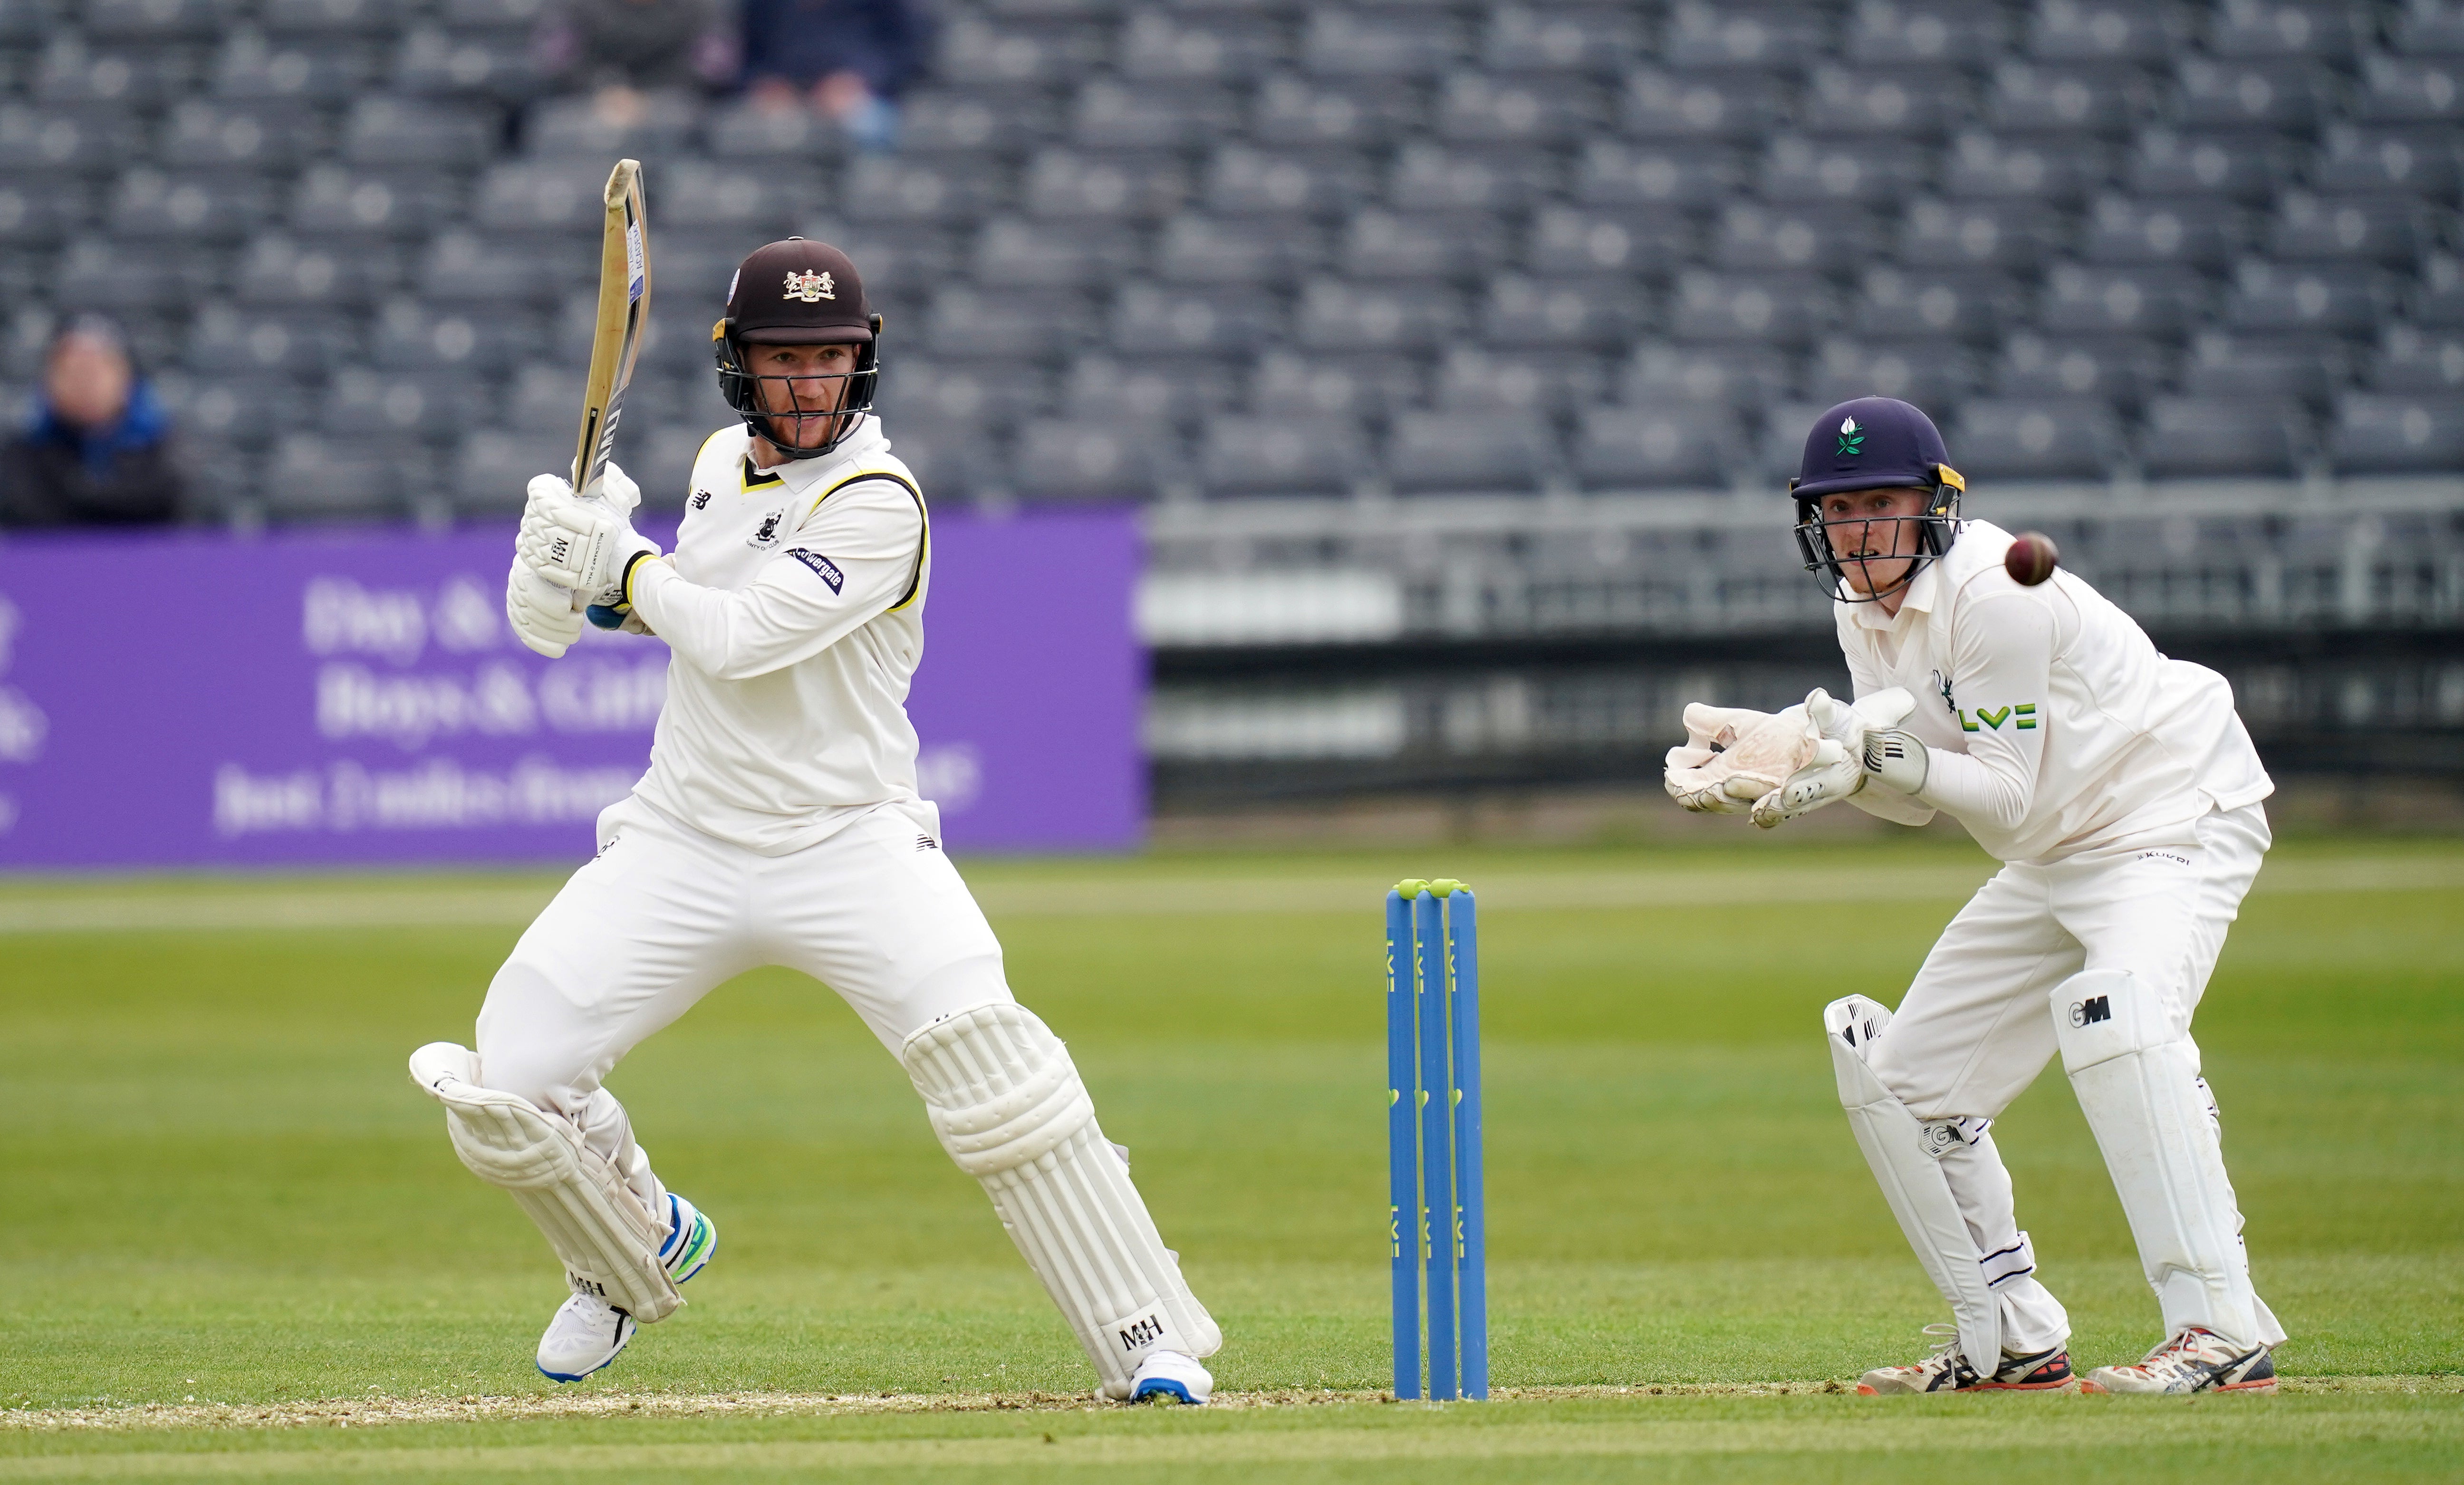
x: 240, y: 1238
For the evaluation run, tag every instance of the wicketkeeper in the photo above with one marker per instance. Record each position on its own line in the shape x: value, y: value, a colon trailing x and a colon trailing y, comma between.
x: 2123, y: 794
x: 780, y: 824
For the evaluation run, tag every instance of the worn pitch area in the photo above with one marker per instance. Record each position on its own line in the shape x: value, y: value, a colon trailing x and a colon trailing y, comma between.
x: 244, y: 1241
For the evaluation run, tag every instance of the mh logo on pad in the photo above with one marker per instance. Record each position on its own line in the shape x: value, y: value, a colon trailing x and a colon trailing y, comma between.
x: 2091, y: 1010
x: 1144, y: 1330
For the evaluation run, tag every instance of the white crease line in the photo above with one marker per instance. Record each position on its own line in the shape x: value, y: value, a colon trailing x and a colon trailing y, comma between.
x: 413, y: 907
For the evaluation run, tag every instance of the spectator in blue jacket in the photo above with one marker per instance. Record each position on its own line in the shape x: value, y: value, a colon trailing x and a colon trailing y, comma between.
x: 847, y: 59
x: 96, y: 449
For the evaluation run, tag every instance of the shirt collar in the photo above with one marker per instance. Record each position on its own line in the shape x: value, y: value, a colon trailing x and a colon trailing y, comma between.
x: 802, y: 475
x: 1919, y: 599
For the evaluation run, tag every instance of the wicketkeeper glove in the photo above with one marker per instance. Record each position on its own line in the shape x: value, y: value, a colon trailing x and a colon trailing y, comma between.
x: 1734, y: 757
x: 1838, y: 767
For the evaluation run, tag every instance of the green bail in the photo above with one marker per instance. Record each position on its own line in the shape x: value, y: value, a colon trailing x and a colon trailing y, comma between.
x: 1410, y: 887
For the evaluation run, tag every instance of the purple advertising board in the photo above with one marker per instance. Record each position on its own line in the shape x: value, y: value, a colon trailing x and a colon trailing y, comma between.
x: 198, y: 699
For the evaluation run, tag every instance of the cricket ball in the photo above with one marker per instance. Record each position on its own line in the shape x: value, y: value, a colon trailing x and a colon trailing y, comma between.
x: 2032, y: 558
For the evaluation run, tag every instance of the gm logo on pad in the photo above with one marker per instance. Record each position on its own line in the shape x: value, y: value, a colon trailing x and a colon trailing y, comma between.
x: 2091, y: 1010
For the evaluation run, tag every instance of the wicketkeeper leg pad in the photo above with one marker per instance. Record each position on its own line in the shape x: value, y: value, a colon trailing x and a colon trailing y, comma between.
x: 1010, y: 1108
x: 1905, y: 1153
x: 608, y: 1239
x: 2136, y: 1078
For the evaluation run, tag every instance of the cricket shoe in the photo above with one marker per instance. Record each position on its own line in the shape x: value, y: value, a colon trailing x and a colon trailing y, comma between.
x: 1168, y: 1377
x: 586, y: 1332
x: 1946, y: 1371
x: 2195, y: 1361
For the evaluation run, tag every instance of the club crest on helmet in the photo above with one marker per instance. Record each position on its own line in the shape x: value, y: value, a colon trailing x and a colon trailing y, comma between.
x: 810, y: 287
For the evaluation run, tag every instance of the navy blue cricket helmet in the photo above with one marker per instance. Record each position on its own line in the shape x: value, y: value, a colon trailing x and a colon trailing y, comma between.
x: 1874, y: 443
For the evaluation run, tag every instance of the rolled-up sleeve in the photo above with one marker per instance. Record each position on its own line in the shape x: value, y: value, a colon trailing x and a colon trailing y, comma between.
x: 858, y: 553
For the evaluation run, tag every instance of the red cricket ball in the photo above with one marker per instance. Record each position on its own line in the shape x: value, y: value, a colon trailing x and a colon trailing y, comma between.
x: 2032, y: 558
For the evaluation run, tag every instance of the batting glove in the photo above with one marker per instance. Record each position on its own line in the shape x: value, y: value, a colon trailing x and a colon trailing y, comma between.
x: 541, y: 612
x: 584, y: 546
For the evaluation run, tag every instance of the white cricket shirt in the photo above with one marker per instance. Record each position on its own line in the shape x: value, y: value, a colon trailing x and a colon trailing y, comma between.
x: 2053, y: 724
x: 794, y: 605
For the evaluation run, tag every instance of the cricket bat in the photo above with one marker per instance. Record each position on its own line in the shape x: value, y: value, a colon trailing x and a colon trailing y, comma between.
x: 623, y: 315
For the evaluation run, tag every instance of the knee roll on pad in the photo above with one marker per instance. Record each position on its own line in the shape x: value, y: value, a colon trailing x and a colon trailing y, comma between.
x: 2136, y: 1079
x: 1906, y: 1155
x: 609, y: 1243
x: 1008, y: 1105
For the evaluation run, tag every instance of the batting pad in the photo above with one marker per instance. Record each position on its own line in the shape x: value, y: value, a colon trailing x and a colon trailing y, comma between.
x: 609, y: 1244
x: 1010, y: 1108
x: 2136, y: 1079
x: 1907, y: 1166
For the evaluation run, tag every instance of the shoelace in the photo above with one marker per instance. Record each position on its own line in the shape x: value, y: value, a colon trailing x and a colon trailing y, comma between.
x: 2171, y: 1354
x: 1945, y: 1341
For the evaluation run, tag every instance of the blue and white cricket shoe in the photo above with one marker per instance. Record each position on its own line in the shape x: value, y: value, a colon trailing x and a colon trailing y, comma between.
x: 586, y: 1332
x: 1169, y: 1378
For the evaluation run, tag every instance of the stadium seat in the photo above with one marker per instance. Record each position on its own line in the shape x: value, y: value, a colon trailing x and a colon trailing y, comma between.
x: 2376, y: 432
x: 1548, y: 40
x: 1608, y: 240
x: 1934, y: 377
x: 2043, y: 100
x: 360, y: 402
x: 1195, y: 249
x: 543, y: 395
x: 1382, y: 245
x: 2101, y: 300
x: 1751, y: 309
x: 951, y: 457
x: 1593, y: 313
x: 1151, y: 320
x: 463, y: 268
x: 744, y: 205
x: 1482, y: 108
x: 1779, y: 448
x: 1243, y: 453
x: 1111, y: 115
x: 1180, y: 390
x: 1349, y: 43
x: 2115, y: 370
x: 882, y: 189
x: 208, y: 135
x: 1111, y: 185
x: 335, y: 202
x: 1679, y: 107
x: 1242, y: 181
x: 1463, y: 453
x: 1654, y: 177
x: 490, y: 468
x: 156, y: 22
x: 1929, y: 33
x: 2410, y: 359
x: 1548, y: 384
x: 2011, y: 235
x: 658, y: 128
x: 71, y: 72
x: 751, y: 132
x: 33, y: 215
x: 1293, y: 112
x: 2436, y: 299
x: 1702, y: 37
x: 434, y: 63
x: 2338, y: 299
x: 1995, y: 167
x: 1872, y: 103
x: 329, y: 18
x: 1161, y: 47
x: 2359, y: 159
x: 965, y: 323
x: 1960, y: 303
x: 2305, y: 368
x: 2411, y: 90
x: 901, y: 261
x: 311, y: 476
x: 2035, y: 438
x: 1794, y: 238
x: 2220, y: 437
x: 1622, y: 446
x: 299, y: 69
x: 2388, y: 231
x: 979, y: 54
x: 280, y: 270
x: 2287, y: 97
x: 1495, y: 179
x: 1097, y: 461
x: 412, y: 335
x: 1070, y: 254
x: 1340, y: 316
x: 2197, y: 231
x: 1335, y: 383
x: 64, y: 144
x: 2430, y: 28
x: 1809, y: 168
x: 233, y: 411
x: 2325, y: 31
x: 2244, y: 168
x: 1734, y: 380
x: 548, y: 203
x: 2103, y: 31
x: 437, y: 136
x: 945, y: 121
x: 157, y: 205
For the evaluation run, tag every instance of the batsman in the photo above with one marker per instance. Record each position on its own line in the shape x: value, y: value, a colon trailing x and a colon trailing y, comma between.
x: 780, y: 823
x: 2122, y: 793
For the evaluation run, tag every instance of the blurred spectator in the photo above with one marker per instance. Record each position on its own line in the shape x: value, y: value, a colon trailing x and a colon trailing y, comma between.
x: 96, y: 451
x: 620, y: 49
x: 847, y: 59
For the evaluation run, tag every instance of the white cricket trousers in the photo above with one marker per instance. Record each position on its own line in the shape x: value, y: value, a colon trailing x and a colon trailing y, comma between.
x: 1977, y: 1025
x: 665, y: 913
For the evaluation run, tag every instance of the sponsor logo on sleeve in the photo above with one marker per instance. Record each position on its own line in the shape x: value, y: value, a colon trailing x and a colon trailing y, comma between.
x: 822, y: 567
x: 2018, y: 719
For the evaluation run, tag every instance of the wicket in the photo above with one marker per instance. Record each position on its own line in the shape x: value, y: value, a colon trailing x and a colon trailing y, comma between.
x: 1433, y: 1119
